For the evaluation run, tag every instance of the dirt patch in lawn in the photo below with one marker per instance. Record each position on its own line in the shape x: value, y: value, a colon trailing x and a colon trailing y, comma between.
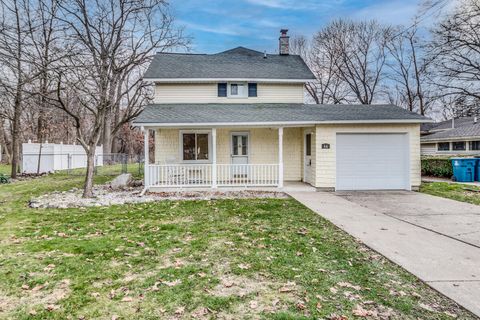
x: 233, y: 285
x: 258, y: 295
x: 35, y: 296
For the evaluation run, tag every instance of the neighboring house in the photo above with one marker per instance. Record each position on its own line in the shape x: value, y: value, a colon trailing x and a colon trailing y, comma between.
x: 238, y: 118
x: 459, y: 136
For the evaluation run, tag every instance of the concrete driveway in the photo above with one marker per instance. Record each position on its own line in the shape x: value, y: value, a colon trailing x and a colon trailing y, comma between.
x: 434, y: 238
x: 458, y: 220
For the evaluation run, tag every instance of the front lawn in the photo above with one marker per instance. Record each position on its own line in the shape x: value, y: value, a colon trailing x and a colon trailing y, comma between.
x: 5, y: 169
x: 227, y: 259
x: 455, y: 191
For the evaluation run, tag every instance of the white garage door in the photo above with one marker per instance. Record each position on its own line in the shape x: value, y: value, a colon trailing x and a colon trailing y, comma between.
x: 372, y: 161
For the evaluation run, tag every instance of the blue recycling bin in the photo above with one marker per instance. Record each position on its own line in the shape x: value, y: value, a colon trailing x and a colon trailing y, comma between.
x: 464, y: 169
x: 477, y: 169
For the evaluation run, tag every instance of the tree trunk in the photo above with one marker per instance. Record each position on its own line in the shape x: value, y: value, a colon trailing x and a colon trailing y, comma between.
x: 16, y: 135
x: 3, y: 142
x: 43, y: 105
x: 107, y: 134
x: 116, y: 144
x: 88, y: 186
x: 39, y: 162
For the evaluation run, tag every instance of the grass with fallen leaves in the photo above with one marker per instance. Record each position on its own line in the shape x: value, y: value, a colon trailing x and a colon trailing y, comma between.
x: 225, y: 259
x: 455, y: 191
x: 5, y: 169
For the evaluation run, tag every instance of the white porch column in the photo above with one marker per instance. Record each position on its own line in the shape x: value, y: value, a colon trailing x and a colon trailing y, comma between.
x: 214, y: 157
x: 280, y: 157
x: 146, y: 157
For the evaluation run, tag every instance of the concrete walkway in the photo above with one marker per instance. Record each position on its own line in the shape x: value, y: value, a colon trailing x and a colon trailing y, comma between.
x: 448, y: 265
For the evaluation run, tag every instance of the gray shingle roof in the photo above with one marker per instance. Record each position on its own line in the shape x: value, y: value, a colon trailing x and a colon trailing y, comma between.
x: 170, y: 114
x: 447, y: 124
x: 472, y: 130
x: 238, y: 63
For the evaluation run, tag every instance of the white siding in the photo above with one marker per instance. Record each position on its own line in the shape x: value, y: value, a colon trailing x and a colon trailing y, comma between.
x: 325, y: 176
x: 428, y: 149
x: 431, y: 149
x: 263, y: 148
x: 207, y: 93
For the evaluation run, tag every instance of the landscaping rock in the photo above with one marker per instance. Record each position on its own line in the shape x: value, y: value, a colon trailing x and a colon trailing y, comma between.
x: 136, y: 183
x: 105, y: 196
x: 121, y: 182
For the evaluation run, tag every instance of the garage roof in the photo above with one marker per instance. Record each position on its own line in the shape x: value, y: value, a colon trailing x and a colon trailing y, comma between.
x: 272, y: 114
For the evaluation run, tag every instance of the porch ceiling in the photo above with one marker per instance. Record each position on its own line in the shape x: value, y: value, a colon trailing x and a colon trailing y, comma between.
x: 203, y: 115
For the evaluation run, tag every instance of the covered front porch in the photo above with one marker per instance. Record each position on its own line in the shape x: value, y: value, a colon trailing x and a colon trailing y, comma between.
x: 228, y: 157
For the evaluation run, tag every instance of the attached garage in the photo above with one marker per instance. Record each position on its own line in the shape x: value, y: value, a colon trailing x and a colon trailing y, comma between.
x: 372, y: 161
x: 367, y: 156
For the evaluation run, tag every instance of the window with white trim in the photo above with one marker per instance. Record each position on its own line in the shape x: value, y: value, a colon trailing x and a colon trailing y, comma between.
x: 237, y: 90
x: 195, y: 146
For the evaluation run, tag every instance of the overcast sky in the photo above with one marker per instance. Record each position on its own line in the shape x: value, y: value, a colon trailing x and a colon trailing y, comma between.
x: 218, y: 25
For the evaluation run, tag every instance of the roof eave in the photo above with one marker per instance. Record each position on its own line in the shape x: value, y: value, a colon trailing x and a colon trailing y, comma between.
x: 186, y: 80
x: 274, y: 124
x: 446, y: 139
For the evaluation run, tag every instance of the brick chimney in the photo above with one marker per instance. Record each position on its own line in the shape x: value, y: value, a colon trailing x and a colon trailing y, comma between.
x: 283, y: 42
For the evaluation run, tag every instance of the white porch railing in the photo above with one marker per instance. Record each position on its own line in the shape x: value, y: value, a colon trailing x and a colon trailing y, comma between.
x: 180, y: 175
x: 201, y: 175
x: 247, y: 175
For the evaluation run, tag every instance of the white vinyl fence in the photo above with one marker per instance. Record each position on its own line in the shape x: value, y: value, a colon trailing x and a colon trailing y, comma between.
x: 50, y: 157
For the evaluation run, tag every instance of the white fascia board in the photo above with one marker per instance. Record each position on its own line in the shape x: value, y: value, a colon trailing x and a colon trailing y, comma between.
x: 227, y: 124
x: 374, y: 121
x: 193, y: 80
x: 275, y: 124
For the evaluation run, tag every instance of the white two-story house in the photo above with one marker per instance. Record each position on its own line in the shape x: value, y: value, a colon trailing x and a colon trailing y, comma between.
x: 238, y: 119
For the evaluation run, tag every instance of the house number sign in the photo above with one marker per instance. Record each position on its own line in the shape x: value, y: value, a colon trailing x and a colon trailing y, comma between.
x: 325, y: 145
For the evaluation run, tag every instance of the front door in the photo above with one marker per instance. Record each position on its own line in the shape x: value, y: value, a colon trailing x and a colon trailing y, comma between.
x: 239, y: 145
x: 307, y: 158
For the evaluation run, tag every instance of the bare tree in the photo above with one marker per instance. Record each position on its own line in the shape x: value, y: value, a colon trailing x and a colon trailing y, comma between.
x: 327, y: 87
x: 45, y: 36
x: 112, y: 39
x: 408, y: 68
x: 14, y: 63
x: 455, y: 50
x: 359, y: 55
x: 130, y: 60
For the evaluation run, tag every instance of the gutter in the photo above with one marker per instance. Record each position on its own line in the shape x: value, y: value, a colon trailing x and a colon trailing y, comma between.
x: 276, y: 123
x: 193, y: 80
x: 447, y: 139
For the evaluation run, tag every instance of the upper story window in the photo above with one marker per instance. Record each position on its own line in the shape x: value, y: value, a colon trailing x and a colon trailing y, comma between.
x: 237, y: 90
x: 252, y: 89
